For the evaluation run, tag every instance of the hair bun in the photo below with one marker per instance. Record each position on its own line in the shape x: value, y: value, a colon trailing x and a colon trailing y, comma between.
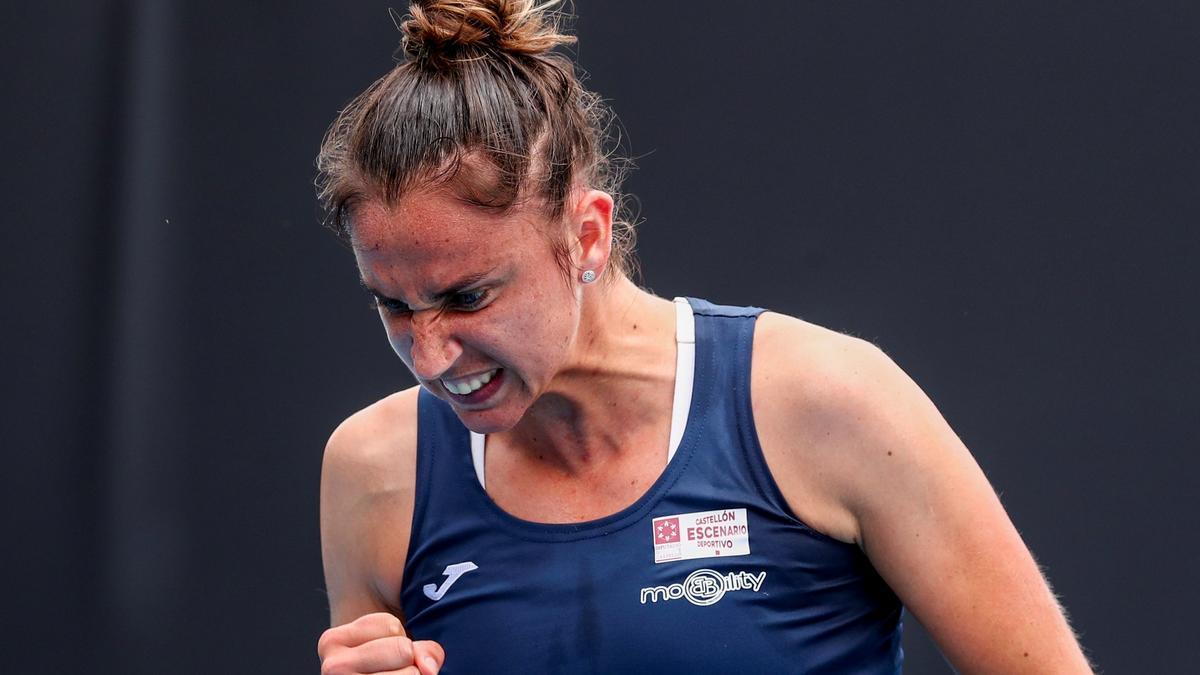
x: 442, y: 31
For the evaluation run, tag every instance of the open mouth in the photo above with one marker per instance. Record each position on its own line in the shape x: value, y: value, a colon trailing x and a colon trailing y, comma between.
x: 477, y: 388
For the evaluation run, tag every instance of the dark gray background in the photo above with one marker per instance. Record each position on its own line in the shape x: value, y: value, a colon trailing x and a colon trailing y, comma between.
x: 1001, y: 195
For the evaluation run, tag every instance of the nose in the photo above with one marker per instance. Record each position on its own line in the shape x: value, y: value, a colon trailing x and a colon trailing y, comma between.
x: 434, y: 347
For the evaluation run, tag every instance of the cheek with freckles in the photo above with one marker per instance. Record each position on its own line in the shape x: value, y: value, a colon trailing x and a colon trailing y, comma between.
x: 529, y: 336
x: 543, y: 328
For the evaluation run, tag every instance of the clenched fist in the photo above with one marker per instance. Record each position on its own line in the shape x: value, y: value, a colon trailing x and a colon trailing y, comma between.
x: 376, y: 643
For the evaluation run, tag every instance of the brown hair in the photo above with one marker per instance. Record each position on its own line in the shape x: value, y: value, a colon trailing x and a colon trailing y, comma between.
x: 480, y: 98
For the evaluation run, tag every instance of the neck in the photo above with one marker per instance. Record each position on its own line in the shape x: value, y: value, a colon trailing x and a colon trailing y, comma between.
x: 612, y: 396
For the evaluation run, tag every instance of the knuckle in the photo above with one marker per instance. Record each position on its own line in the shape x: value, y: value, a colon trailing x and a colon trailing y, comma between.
x: 380, y: 621
x: 365, y: 619
x: 336, y: 665
x: 404, y: 648
x: 325, y: 642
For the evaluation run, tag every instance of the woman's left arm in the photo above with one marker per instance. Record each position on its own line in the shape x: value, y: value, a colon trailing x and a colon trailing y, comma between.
x: 910, y: 494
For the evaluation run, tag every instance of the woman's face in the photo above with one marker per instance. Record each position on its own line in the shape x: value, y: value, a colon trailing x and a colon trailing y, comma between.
x: 465, y: 296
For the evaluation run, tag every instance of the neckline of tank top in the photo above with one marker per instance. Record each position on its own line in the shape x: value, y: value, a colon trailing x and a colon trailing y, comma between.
x: 685, y: 361
x: 684, y: 430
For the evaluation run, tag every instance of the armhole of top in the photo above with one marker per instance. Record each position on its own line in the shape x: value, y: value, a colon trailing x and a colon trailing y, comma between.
x: 751, y: 445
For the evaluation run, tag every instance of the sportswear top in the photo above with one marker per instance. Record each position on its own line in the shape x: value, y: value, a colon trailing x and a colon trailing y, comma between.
x: 708, y: 572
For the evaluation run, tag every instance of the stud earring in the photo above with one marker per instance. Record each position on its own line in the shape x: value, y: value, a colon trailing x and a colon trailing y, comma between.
x: 587, y: 277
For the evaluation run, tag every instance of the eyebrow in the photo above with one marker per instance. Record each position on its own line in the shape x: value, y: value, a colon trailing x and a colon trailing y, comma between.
x: 458, y: 286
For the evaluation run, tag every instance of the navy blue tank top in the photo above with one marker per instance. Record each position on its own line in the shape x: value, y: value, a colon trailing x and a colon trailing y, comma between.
x: 708, y: 572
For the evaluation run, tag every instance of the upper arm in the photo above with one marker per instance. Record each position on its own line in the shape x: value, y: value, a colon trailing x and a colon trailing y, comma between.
x: 892, y: 475
x: 367, y: 485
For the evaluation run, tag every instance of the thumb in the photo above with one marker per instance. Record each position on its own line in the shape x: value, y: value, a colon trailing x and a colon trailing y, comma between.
x: 428, y: 656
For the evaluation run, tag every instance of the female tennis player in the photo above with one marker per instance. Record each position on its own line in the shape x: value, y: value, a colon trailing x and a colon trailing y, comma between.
x: 593, y: 479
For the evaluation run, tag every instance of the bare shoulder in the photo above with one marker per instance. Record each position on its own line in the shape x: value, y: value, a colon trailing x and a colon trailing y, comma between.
x: 827, y: 407
x: 370, y: 445
x: 862, y: 454
x: 367, y: 489
x: 815, y: 359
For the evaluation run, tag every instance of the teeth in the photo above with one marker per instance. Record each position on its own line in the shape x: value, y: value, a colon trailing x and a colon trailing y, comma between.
x: 464, y: 387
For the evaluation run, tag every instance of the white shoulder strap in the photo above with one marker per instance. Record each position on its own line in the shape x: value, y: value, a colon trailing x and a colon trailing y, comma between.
x: 477, y: 441
x: 685, y: 365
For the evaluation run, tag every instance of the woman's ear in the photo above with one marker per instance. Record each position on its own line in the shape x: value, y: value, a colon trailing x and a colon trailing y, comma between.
x: 591, y: 227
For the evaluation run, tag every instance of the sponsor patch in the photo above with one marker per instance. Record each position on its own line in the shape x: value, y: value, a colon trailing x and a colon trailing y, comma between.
x: 707, y: 534
x: 704, y: 587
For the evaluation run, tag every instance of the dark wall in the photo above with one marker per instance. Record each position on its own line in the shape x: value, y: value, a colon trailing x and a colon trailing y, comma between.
x: 1001, y: 195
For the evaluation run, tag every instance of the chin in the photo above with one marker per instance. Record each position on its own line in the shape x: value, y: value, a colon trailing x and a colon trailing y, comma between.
x: 508, y: 407
x: 486, y: 421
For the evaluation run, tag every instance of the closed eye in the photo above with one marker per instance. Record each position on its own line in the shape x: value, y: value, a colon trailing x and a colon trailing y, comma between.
x: 390, y: 305
x: 470, y: 299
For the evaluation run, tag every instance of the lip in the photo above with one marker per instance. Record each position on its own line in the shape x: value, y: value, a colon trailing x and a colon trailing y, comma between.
x: 482, y: 394
x: 468, y: 376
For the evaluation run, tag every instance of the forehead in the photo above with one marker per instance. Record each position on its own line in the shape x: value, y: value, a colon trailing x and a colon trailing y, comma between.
x: 429, y: 237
